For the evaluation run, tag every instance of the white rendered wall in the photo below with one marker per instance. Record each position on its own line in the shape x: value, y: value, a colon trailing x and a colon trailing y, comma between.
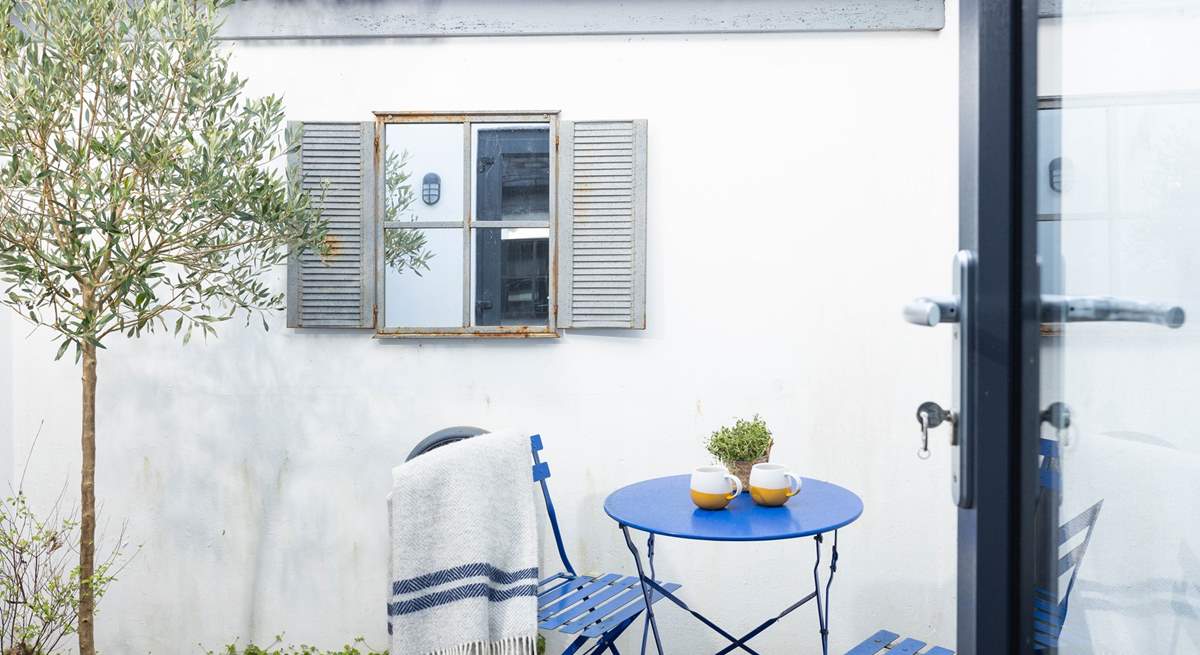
x: 802, y: 188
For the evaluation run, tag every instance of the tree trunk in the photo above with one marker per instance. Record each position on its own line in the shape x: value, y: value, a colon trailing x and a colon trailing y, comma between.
x: 87, y: 492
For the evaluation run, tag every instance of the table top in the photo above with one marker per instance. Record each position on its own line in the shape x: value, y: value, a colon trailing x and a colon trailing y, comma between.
x: 663, y: 506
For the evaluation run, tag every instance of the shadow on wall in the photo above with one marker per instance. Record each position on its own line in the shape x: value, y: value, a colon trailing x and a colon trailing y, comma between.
x: 239, y: 495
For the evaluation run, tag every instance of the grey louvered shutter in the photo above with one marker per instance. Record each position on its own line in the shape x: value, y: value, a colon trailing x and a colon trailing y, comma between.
x: 602, y: 224
x: 336, y: 290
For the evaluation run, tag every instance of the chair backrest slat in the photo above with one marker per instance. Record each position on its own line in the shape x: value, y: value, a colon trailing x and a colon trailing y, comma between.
x: 1050, y: 478
x: 1076, y: 525
x: 1071, y: 559
x: 541, y: 471
x: 1085, y: 521
x: 1049, y: 471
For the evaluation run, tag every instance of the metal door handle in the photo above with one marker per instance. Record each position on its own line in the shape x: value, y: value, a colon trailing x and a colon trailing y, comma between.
x: 1073, y: 309
x: 932, y: 310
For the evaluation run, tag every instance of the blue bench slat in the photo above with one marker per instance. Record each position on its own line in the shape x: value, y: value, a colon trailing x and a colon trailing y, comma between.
x: 551, y: 595
x: 874, y: 643
x: 877, y: 644
x: 1043, y: 617
x: 1049, y: 479
x: 633, y: 609
x: 602, y: 611
x: 1049, y: 614
x: 1044, y: 640
x: 631, y: 594
x: 1047, y: 628
x: 1046, y: 604
x: 589, y: 605
x: 549, y: 609
x: 557, y: 576
x: 907, y: 647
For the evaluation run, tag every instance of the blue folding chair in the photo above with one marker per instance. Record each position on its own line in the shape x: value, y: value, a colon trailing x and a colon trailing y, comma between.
x: 1049, y: 613
x: 885, y: 641
x: 587, y: 607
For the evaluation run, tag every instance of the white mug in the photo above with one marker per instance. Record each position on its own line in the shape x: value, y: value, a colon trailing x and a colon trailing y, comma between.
x: 772, y: 484
x: 713, y: 487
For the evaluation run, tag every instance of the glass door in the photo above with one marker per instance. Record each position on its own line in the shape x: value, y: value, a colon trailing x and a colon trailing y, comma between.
x: 1117, y: 170
x: 1076, y: 315
x: 993, y: 311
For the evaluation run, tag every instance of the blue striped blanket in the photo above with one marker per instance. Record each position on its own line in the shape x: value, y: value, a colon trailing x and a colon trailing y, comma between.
x: 464, y: 550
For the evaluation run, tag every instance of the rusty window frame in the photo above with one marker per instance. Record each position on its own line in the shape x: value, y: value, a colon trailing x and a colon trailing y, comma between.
x: 467, y: 119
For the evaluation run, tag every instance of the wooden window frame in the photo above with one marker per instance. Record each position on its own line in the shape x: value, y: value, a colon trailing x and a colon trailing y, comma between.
x: 468, y: 120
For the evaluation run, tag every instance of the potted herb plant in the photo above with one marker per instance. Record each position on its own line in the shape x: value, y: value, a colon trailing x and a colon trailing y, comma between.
x: 741, y: 446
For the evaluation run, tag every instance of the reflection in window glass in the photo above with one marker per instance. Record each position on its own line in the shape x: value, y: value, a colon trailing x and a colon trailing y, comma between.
x: 424, y: 278
x: 512, y: 173
x: 417, y: 152
x: 512, y: 276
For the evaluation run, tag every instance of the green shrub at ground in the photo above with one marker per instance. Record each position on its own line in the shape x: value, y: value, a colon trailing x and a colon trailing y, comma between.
x: 356, y: 647
x: 39, y: 585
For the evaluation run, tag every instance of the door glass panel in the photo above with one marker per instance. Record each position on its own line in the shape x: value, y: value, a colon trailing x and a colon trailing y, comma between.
x: 1118, y: 230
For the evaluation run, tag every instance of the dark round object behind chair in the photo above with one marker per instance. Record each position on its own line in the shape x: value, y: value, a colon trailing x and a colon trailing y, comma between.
x: 444, y: 437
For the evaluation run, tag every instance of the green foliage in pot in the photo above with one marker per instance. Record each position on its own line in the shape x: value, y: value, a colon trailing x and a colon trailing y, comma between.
x: 745, y: 441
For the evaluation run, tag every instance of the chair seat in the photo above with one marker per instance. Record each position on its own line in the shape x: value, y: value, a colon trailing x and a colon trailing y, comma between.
x: 591, y: 605
x: 885, y: 642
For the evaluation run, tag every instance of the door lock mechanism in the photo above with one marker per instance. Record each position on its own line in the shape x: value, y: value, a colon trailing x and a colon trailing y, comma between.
x: 957, y: 310
x: 930, y: 415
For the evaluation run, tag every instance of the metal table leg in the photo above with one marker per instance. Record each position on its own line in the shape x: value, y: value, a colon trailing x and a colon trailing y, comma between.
x: 637, y: 560
x: 649, y: 587
x: 650, y: 560
x: 823, y: 604
x: 608, y: 642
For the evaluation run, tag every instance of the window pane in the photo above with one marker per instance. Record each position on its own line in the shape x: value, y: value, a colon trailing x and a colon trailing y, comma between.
x: 424, y: 278
x: 512, y: 173
x: 512, y: 280
x: 423, y: 172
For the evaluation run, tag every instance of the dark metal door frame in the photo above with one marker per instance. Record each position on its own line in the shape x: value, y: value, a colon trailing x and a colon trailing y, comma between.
x: 997, y: 220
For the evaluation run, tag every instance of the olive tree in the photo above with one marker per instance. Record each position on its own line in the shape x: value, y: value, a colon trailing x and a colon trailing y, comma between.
x: 137, y: 190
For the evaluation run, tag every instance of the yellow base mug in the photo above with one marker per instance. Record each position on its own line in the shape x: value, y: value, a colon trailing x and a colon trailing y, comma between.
x: 712, y: 487
x: 772, y: 484
x: 770, y: 497
x: 710, y: 501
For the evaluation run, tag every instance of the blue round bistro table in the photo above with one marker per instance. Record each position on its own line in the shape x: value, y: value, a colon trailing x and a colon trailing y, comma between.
x: 663, y: 506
